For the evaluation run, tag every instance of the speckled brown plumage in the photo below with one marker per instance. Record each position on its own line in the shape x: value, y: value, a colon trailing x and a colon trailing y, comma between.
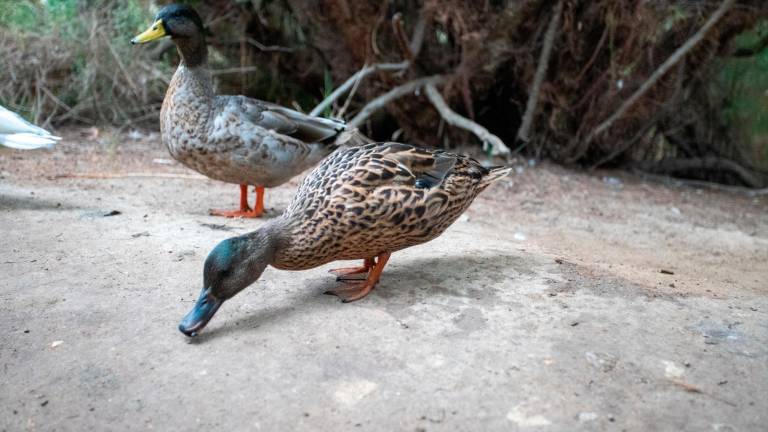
x: 361, y: 202
x: 382, y: 197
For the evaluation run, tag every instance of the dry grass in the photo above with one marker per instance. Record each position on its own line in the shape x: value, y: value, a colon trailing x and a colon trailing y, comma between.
x: 83, y: 70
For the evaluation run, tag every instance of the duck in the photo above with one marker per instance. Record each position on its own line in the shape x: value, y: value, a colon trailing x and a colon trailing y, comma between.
x: 17, y: 133
x: 364, y: 202
x: 232, y: 138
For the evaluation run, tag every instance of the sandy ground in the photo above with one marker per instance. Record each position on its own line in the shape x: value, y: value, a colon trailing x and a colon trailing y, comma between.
x: 561, y: 301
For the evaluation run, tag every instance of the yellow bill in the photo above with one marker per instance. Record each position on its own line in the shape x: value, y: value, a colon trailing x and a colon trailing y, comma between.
x: 155, y: 31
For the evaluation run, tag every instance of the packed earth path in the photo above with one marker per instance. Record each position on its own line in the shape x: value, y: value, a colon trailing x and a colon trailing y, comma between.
x: 559, y: 301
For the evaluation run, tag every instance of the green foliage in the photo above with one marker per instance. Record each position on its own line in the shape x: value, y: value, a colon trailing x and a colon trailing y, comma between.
x: 39, y: 17
x: 71, y: 60
x: 15, y: 14
x: 745, y: 81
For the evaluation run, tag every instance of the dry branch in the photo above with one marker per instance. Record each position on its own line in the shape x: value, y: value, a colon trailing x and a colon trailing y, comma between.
x: 541, y: 72
x: 391, y: 95
x: 399, y: 30
x: 678, y: 55
x: 269, y: 48
x: 669, y: 166
x: 234, y: 70
x: 409, y: 50
x: 105, y: 176
x: 418, y: 36
x: 670, y: 181
x: 497, y: 146
x: 358, y: 76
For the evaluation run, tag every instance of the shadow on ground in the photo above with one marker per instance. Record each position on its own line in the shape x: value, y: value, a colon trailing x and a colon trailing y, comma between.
x: 405, y: 283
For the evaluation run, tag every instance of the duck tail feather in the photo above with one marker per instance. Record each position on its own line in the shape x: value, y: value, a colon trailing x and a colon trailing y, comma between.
x: 352, y: 137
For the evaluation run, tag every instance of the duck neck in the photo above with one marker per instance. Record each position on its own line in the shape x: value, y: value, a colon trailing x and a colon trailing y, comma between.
x: 193, y: 50
x: 267, y: 241
x: 191, y: 89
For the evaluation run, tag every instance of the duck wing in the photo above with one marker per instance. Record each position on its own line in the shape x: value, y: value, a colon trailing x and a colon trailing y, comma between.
x: 361, y: 201
x: 381, y: 178
x: 285, y: 121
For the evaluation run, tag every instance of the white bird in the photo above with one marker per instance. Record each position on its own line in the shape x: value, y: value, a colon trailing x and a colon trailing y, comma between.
x: 17, y: 133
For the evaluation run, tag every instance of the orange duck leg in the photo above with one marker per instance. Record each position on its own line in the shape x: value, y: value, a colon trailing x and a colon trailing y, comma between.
x: 245, y: 211
x: 353, y: 291
x: 342, y: 273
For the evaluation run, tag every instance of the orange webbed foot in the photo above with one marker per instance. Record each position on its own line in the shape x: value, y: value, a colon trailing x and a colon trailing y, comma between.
x: 245, y: 211
x: 357, y: 289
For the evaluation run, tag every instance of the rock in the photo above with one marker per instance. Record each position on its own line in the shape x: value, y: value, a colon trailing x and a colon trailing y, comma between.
x: 587, y: 416
x: 603, y: 361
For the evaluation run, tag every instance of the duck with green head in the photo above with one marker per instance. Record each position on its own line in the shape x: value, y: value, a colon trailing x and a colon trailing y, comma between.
x: 360, y: 203
x: 235, y: 139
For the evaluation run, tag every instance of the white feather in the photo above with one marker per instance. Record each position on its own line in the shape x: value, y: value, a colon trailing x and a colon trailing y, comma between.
x: 27, y: 141
x: 17, y: 133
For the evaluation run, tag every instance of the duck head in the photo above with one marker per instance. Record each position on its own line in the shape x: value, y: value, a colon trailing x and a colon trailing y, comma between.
x: 184, y: 26
x: 231, y: 266
x: 174, y: 20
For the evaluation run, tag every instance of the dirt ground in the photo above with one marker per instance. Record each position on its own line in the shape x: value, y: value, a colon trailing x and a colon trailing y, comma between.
x: 561, y: 301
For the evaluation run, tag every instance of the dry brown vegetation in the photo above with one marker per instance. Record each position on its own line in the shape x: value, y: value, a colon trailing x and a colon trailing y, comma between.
x: 602, y: 53
x: 484, y: 56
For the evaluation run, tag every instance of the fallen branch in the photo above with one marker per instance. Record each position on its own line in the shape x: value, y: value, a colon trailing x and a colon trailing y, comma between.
x: 653, y: 79
x: 417, y: 40
x: 340, y: 113
x: 268, y: 48
x: 664, y: 179
x: 690, y: 388
x: 667, y: 166
x: 410, y: 51
x: 497, y: 146
x: 399, y: 30
x: 234, y: 70
x: 126, y: 175
x: 541, y: 73
x: 358, y: 76
x: 622, y: 147
x: 391, y: 95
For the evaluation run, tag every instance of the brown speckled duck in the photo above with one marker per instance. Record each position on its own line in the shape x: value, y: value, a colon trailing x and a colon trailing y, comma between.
x: 360, y: 203
x: 234, y: 139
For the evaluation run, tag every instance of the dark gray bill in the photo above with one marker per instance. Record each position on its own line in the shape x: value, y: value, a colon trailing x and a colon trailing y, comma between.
x: 198, y: 317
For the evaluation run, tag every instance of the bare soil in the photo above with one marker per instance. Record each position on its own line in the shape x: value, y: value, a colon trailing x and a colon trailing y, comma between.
x: 561, y: 301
